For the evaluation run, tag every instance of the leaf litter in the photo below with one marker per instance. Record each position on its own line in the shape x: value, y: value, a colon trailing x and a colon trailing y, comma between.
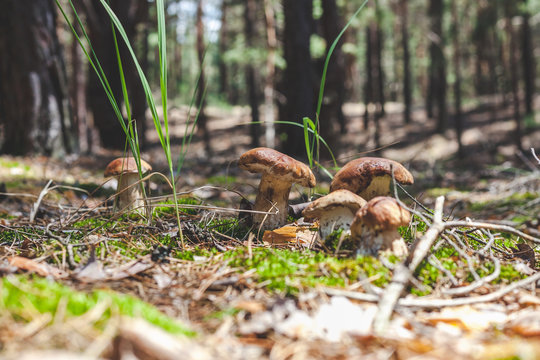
x: 478, y: 296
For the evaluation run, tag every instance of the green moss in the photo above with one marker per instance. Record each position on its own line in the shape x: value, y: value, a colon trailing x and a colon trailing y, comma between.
x: 288, y: 271
x: 189, y: 255
x: 167, y: 207
x: 44, y: 296
x: 227, y: 226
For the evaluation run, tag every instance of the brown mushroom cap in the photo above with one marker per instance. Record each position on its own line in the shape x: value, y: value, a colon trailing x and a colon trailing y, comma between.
x: 125, y: 165
x: 383, y: 213
x: 357, y: 174
x: 338, y: 198
x: 272, y: 162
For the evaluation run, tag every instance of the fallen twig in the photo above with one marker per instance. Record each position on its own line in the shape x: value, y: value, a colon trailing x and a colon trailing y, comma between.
x: 404, y: 270
x: 437, y: 303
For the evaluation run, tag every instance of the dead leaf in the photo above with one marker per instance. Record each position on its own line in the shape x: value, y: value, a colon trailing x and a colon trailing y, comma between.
x: 526, y: 253
x: 290, y: 234
x: 30, y: 265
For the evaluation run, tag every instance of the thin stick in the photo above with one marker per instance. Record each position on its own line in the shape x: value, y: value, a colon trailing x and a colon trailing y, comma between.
x: 38, y: 201
x: 404, y: 270
x: 438, y: 303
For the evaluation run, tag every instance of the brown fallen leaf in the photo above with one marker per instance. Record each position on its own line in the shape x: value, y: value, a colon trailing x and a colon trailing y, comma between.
x: 526, y: 253
x: 290, y: 234
x: 30, y: 265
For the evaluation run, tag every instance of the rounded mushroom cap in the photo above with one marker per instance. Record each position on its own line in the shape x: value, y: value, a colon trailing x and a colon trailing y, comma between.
x: 382, y: 212
x: 357, y: 174
x: 269, y: 161
x: 338, y: 198
x: 125, y: 165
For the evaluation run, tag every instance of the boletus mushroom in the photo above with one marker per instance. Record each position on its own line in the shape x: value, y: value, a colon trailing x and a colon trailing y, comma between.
x: 335, y: 211
x: 370, y: 177
x: 129, y: 194
x: 279, y: 172
x: 375, y: 227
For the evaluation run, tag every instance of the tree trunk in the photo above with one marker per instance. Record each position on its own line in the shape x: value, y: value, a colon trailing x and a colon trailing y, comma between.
x: 407, y: 91
x: 514, y: 75
x: 253, y: 96
x: 437, y: 68
x: 528, y: 61
x: 299, y: 88
x: 130, y: 13
x: 34, y: 107
x: 269, y: 118
x: 332, y: 120
x: 201, y: 100
x: 222, y: 45
x: 458, y: 117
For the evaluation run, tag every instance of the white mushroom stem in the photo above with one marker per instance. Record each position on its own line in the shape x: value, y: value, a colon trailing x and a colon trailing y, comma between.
x: 129, y: 195
x: 338, y: 218
x: 379, y: 186
x: 374, y: 240
x: 273, y: 197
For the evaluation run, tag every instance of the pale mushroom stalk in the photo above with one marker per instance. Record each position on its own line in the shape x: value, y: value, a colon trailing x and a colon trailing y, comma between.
x: 335, y: 211
x: 372, y: 241
x: 130, y: 191
x: 272, y: 197
x: 375, y: 227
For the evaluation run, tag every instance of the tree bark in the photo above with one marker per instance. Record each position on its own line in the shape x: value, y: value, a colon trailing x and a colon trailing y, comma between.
x: 269, y: 118
x: 437, y: 68
x: 528, y: 61
x: 407, y: 91
x: 253, y: 96
x: 299, y: 88
x: 332, y: 120
x: 34, y: 107
x: 130, y: 13
x: 201, y: 100
x: 458, y: 117
x: 222, y: 45
x: 514, y: 75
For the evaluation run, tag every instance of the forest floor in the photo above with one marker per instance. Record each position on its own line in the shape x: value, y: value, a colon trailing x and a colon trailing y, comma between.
x: 79, y: 281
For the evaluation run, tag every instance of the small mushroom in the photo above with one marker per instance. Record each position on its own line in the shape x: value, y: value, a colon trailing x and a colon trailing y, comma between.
x: 375, y: 226
x: 335, y: 211
x: 370, y: 177
x: 129, y: 194
x: 279, y: 172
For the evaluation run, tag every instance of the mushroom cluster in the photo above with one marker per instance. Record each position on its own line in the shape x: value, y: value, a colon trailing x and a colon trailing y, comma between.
x: 358, y: 204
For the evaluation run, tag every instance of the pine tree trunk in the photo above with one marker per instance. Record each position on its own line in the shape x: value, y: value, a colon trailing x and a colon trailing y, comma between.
x: 34, y: 107
x: 201, y: 101
x: 299, y: 87
x: 437, y: 79
x: 223, y: 44
x: 528, y: 62
x: 458, y: 117
x: 253, y: 96
x: 514, y: 75
x: 332, y: 120
x: 269, y: 118
x: 407, y: 91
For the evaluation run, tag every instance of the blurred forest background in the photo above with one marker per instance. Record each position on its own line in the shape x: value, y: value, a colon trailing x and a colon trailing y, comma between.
x: 437, y: 63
